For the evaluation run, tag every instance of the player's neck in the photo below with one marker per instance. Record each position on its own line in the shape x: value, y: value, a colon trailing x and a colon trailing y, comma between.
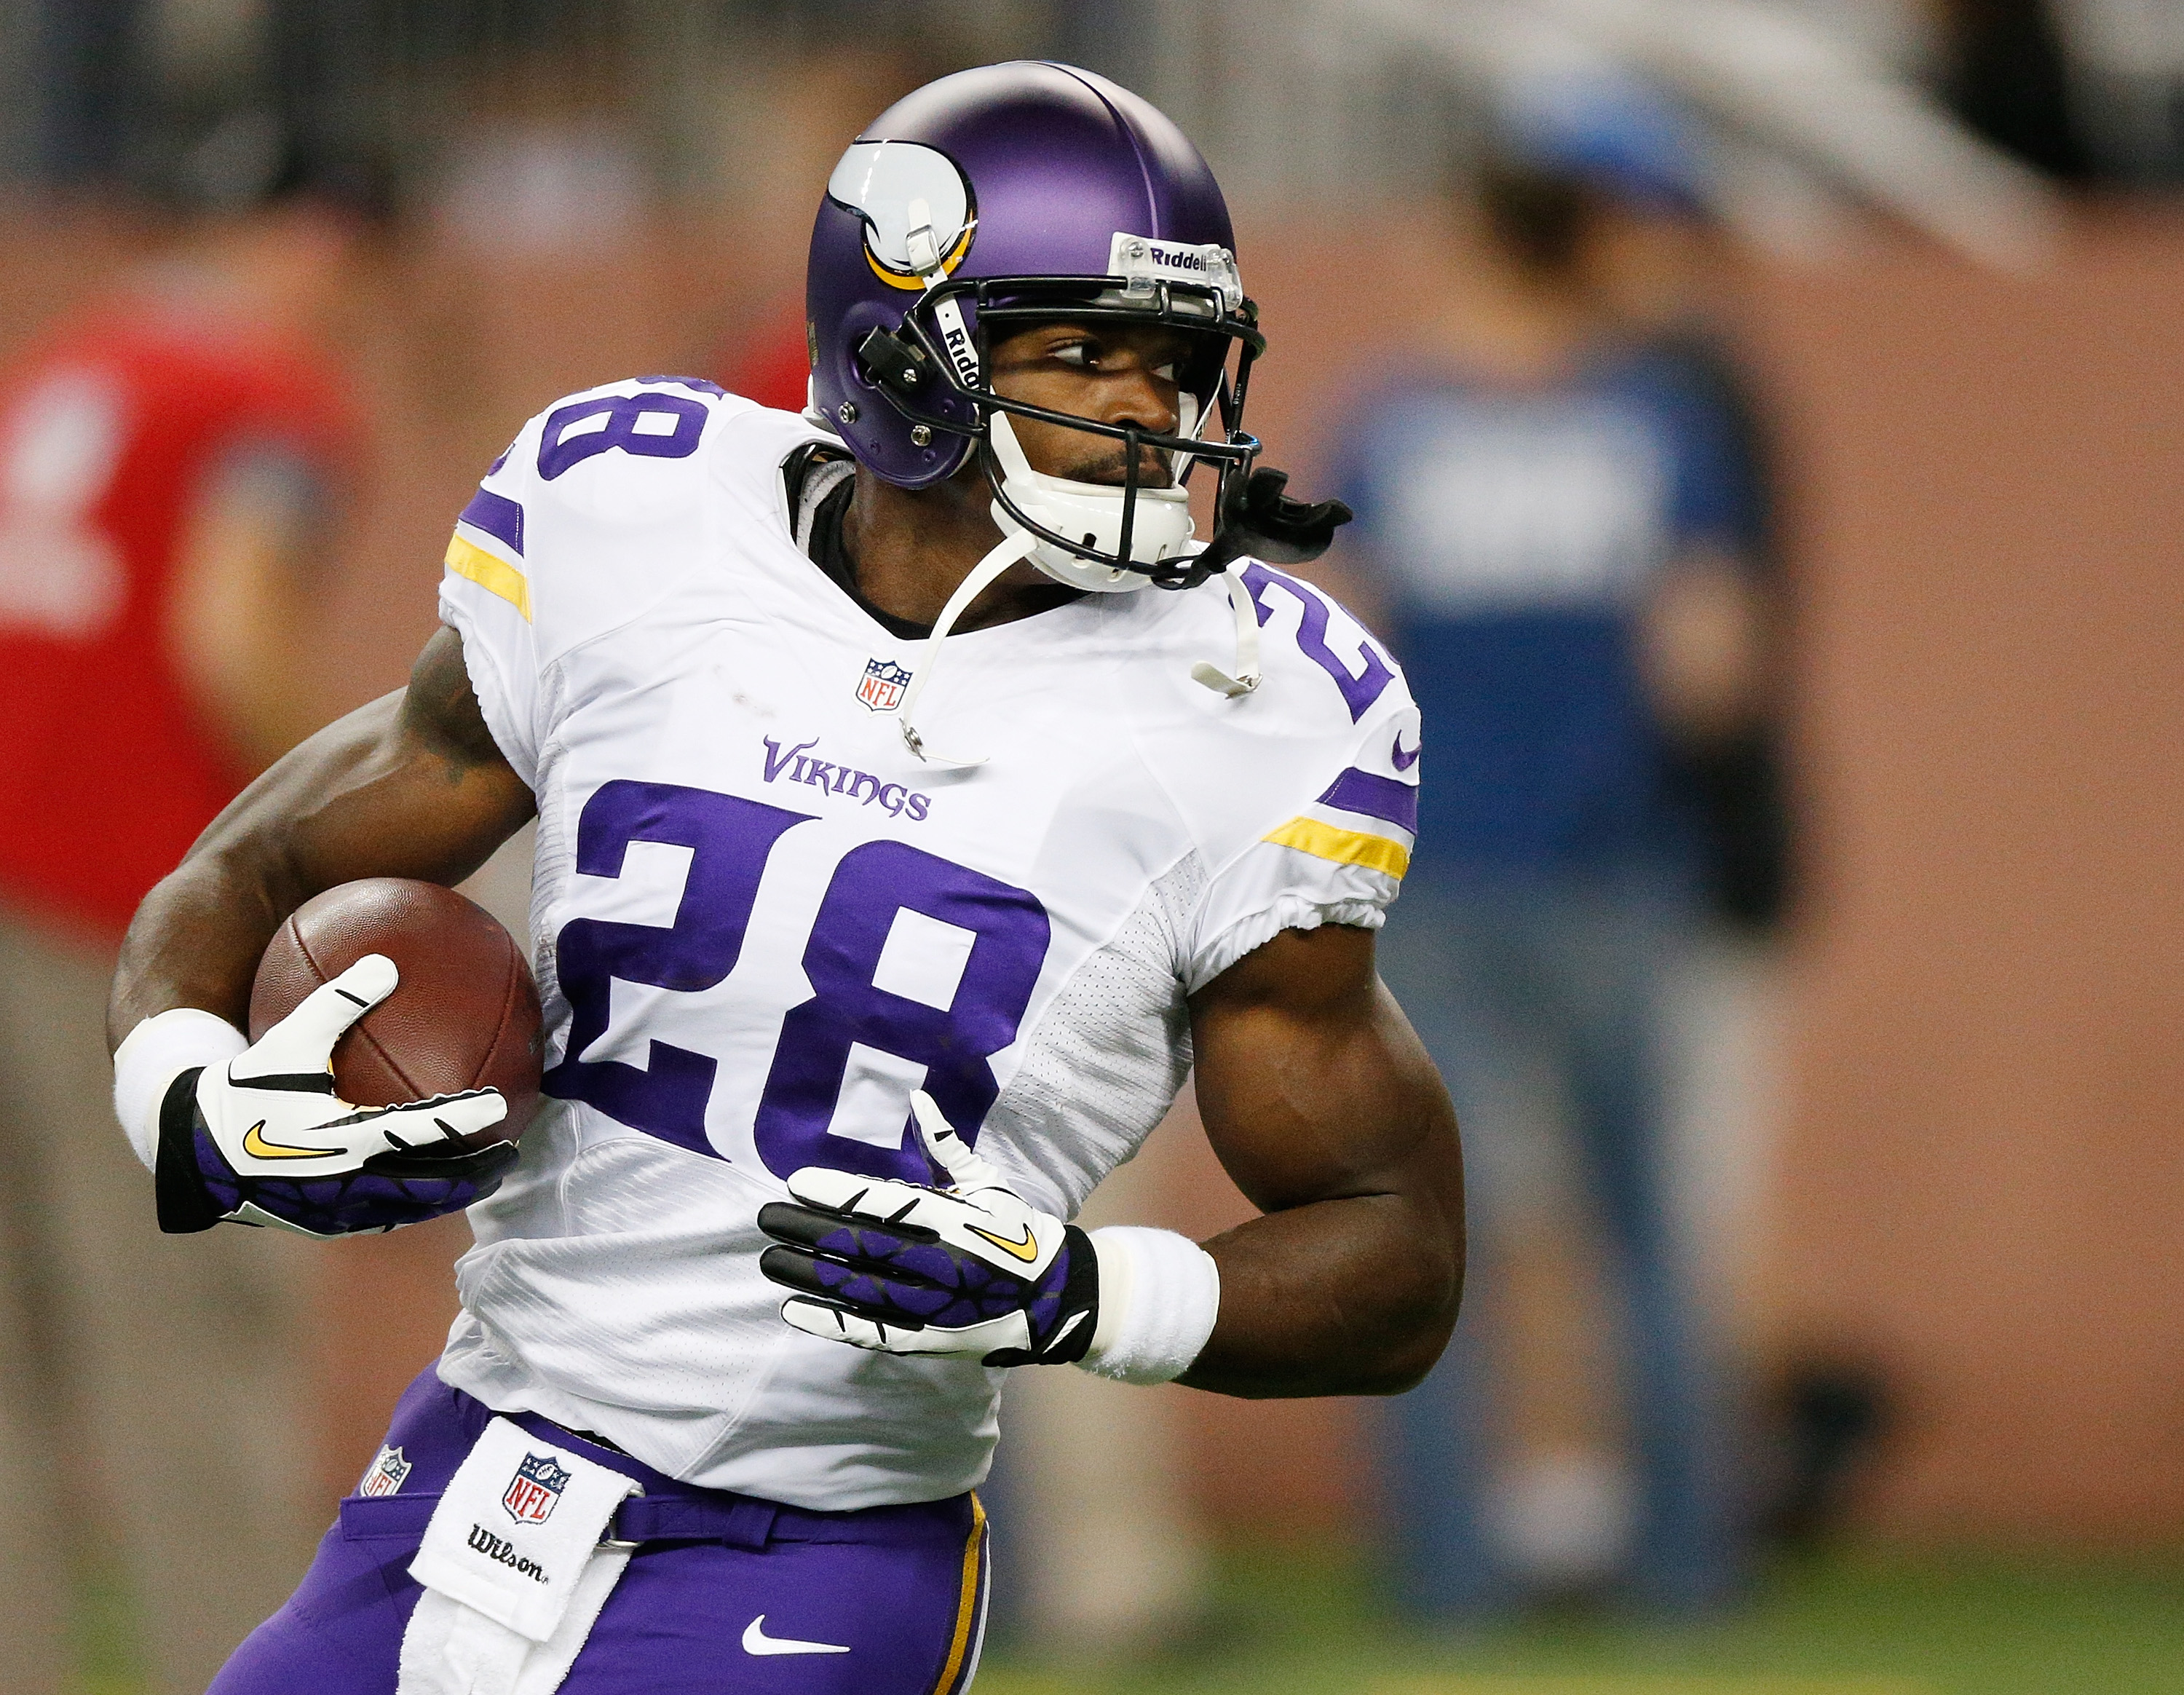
x: 911, y: 548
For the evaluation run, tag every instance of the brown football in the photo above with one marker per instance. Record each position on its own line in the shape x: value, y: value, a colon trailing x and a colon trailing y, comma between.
x: 464, y: 1016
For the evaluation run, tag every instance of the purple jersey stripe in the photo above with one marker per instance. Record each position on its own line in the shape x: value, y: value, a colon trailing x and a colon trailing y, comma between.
x: 498, y: 515
x: 1375, y: 797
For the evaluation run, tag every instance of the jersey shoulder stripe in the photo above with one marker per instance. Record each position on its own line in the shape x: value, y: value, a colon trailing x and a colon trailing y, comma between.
x: 603, y: 501
x: 466, y: 559
x: 1340, y: 847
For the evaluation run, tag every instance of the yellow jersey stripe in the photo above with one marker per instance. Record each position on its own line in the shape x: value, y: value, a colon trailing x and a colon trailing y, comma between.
x: 966, y: 1604
x: 495, y: 575
x: 1344, y: 847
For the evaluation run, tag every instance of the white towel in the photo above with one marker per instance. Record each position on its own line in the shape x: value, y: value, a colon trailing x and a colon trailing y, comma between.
x: 514, y: 1574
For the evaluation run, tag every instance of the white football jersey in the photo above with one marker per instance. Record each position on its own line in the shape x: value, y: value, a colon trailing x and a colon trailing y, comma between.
x: 761, y: 922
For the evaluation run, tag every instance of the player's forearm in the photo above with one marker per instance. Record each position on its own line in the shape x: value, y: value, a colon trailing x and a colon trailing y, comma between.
x: 1321, y: 1105
x: 195, y: 942
x: 1352, y: 1296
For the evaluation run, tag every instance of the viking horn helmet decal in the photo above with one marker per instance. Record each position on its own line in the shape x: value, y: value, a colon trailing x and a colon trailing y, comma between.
x: 900, y: 189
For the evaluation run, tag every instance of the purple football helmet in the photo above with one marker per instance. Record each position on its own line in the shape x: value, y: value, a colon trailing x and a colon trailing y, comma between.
x: 1003, y: 194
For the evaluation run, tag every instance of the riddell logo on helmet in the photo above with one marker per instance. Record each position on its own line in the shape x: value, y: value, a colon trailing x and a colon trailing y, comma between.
x: 956, y: 340
x: 1177, y: 258
x: 1143, y: 260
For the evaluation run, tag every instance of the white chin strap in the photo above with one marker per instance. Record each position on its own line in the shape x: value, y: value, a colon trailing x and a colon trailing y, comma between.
x: 1093, y: 511
x: 1011, y: 549
x: 1090, y: 512
x: 1162, y: 530
x: 1019, y: 546
x: 1246, y: 618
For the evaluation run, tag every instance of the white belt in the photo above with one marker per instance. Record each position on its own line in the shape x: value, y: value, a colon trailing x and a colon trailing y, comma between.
x: 513, y: 1569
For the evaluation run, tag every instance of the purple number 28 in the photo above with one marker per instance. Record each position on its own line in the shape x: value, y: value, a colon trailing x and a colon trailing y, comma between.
x: 730, y: 839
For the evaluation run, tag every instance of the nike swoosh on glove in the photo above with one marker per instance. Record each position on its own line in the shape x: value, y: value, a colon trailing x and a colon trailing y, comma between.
x: 973, y: 1271
x: 265, y: 1140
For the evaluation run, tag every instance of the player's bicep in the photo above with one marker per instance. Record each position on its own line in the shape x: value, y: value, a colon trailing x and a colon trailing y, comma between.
x: 407, y: 786
x: 411, y: 785
x: 1311, y: 1082
x: 440, y: 713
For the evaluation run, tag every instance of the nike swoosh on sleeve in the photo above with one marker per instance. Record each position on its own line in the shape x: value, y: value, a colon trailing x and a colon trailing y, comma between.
x: 756, y: 1641
x: 1401, y: 760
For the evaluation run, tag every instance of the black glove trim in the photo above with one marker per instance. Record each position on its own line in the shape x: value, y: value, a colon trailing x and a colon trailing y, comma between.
x: 474, y: 1165
x: 177, y: 1186
x: 1080, y: 1293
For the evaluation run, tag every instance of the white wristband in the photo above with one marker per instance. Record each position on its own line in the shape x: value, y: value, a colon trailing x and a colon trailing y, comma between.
x: 152, y: 1056
x: 1159, y: 1295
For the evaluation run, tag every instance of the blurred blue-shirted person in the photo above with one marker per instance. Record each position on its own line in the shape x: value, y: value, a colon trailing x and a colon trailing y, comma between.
x: 1552, y: 516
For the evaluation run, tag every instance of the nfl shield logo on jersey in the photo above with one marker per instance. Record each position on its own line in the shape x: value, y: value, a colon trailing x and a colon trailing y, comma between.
x: 883, y: 685
x: 385, y: 1473
x: 536, y: 1489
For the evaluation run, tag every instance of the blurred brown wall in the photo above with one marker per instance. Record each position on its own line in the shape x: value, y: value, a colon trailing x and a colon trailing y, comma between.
x: 1983, y: 1184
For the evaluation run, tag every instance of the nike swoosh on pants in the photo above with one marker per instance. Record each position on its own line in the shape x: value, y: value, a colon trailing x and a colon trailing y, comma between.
x: 756, y: 1641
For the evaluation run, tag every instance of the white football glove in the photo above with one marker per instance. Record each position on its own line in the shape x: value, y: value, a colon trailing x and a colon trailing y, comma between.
x: 973, y: 1271
x: 265, y: 1139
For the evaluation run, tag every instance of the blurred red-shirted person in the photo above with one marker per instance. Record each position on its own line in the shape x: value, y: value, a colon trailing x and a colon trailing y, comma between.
x: 169, y: 461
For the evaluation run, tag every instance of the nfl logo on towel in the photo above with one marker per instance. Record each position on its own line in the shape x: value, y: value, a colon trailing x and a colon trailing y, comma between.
x: 883, y: 685
x: 536, y: 1489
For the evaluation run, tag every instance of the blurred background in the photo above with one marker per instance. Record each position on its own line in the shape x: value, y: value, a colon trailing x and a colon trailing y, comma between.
x: 1918, y: 268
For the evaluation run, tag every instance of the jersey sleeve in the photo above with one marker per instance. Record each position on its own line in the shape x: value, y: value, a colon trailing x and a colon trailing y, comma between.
x: 485, y: 596
x: 564, y: 537
x: 1339, y: 811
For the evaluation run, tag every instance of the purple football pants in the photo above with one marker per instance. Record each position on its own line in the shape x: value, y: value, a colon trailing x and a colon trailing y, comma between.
x: 903, y: 1588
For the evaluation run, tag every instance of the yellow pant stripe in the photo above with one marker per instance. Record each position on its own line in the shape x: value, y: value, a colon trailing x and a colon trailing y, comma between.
x: 493, y: 575
x: 1344, y: 847
x: 967, y: 1605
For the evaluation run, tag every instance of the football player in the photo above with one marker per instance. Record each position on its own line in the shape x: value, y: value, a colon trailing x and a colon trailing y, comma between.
x: 918, y: 805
